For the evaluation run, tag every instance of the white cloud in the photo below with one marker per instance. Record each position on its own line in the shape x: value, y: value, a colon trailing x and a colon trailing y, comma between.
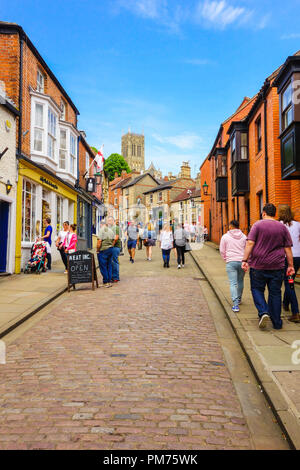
x: 291, y: 36
x: 198, y: 62
x: 219, y: 14
x: 143, y: 8
x: 183, y: 141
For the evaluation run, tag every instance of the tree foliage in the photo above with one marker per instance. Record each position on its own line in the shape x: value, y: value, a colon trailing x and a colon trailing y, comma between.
x: 115, y: 163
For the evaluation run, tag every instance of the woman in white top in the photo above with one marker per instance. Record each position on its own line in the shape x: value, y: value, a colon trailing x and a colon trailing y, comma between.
x: 60, y: 243
x: 166, y: 243
x: 286, y: 216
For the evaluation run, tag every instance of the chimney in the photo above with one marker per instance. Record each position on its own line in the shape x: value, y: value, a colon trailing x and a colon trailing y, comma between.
x: 185, y: 170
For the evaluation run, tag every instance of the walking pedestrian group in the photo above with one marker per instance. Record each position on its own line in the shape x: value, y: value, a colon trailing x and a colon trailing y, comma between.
x: 271, y: 254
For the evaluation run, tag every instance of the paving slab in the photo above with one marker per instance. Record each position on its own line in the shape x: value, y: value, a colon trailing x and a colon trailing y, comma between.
x: 269, y: 351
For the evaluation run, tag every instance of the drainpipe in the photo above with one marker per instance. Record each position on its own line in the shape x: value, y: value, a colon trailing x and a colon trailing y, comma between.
x: 20, y: 97
x: 266, y: 148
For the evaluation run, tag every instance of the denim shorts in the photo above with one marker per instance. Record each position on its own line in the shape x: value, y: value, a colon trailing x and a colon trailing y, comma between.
x: 131, y: 244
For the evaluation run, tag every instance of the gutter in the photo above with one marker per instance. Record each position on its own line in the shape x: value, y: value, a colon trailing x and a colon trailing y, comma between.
x: 266, y: 147
x: 20, y: 98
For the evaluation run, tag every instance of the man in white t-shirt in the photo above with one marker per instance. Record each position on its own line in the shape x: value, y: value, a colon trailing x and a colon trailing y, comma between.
x: 60, y: 240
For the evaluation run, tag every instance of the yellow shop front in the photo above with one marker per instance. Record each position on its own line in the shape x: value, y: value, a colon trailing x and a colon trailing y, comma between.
x: 40, y: 194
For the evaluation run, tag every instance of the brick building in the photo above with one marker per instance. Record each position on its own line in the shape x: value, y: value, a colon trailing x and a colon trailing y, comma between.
x: 256, y: 156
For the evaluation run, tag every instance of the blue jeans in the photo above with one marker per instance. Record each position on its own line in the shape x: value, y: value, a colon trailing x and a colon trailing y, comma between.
x: 166, y: 255
x: 105, y: 264
x: 290, y: 296
x: 236, y: 278
x: 115, y: 263
x: 273, y: 280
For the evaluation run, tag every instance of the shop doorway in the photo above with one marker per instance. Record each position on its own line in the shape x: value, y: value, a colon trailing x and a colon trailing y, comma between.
x: 4, y: 212
x: 46, y: 212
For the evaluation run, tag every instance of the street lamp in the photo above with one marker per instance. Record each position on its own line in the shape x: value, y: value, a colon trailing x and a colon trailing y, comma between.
x: 205, y: 188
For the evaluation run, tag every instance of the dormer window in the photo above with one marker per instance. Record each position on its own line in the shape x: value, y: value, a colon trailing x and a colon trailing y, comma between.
x: 63, y: 110
x: 40, y: 82
x: 244, y: 146
x: 258, y: 134
x: 239, y: 146
x: 233, y: 149
x: 287, y: 107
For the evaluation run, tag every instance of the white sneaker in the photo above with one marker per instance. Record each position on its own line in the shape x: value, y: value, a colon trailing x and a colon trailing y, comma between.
x: 182, y: 265
x: 178, y: 267
x: 263, y: 321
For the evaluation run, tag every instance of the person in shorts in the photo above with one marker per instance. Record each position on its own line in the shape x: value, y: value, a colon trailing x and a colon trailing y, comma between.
x: 133, y: 236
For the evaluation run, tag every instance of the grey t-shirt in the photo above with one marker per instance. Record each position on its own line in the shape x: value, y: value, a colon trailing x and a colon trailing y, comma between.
x: 133, y: 232
x: 180, y: 237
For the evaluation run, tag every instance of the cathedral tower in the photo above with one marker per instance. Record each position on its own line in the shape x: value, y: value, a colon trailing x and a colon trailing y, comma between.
x: 133, y: 150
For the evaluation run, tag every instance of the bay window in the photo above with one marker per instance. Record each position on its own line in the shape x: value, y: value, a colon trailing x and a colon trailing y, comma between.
x: 38, y: 127
x: 63, y: 149
x: 72, y: 153
x: 51, y: 133
x: 286, y: 107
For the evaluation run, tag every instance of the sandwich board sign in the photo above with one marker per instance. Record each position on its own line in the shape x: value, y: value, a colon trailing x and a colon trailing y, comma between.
x: 81, y: 269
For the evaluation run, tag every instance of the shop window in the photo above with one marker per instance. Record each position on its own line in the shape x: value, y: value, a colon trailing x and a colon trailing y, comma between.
x: 29, y: 224
x: 51, y: 133
x: 38, y: 127
x: 63, y: 150
x: 59, y: 214
x: 82, y: 220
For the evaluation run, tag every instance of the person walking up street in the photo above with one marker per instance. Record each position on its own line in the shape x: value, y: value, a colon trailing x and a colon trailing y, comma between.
x: 47, y: 237
x: 60, y: 244
x: 180, y: 239
x: 70, y: 242
x: 166, y: 244
x: 268, y: 243
x: 105, y: 253
x: 290, y: 298
x: 232, y: 247
x: 141, y: 234
x: 116, y: 249
x: 149, y: 239
x: 132, y: 235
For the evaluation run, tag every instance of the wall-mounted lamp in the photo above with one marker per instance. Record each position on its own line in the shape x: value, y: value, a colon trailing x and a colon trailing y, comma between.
x: 205, y: 189
x: 8, y: 187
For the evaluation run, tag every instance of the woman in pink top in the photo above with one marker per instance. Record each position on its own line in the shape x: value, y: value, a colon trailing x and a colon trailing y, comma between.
x: 70, y: 241
x: 232, y: 248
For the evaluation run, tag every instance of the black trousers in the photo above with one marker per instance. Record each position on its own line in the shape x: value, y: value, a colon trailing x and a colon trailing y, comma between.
x: 64, y: 258
x: 180, y: 254
x: 49, y: 260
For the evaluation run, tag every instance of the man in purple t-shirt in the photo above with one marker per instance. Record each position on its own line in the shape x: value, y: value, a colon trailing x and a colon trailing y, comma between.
x: 268, y: 243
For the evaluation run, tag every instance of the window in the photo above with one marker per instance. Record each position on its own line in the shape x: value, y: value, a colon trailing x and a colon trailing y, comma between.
x: 51, y: 133
x: 116, y: 201
x: 151, y: 198
x: 233, y: 150
x: 287, y: 107
x: 244, y: 146
x: 133, y: 150
x: 139, y: 151
x: 63, y: 110
x: 224, y: 166
x: 258, y: 135
x: 116, y: 191
x: 160, y: 197
x: 288, y: 151
x: 63, y: 150
x: 82, y: 219
x: 38, y: 127
x: 28, y: 212
x: 40, y: 81
x: 87, y: 161
x: 72, y: 154
x: 59, y: 213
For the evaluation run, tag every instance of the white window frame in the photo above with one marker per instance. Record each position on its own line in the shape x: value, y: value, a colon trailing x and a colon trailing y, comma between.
x: 63, y: 110
x: 87, y: 162
x: 37, y: 127
x: 63, y: 150
x: 73, y: 156
x: 52, y: 132
x: 32, y: 222
x: 40, y: 81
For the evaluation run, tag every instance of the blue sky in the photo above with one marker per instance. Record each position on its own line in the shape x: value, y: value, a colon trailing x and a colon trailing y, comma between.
x: 171, y: 68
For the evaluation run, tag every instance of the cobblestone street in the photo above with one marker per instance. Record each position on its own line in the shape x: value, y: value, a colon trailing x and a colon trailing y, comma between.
x: 136, y: 366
